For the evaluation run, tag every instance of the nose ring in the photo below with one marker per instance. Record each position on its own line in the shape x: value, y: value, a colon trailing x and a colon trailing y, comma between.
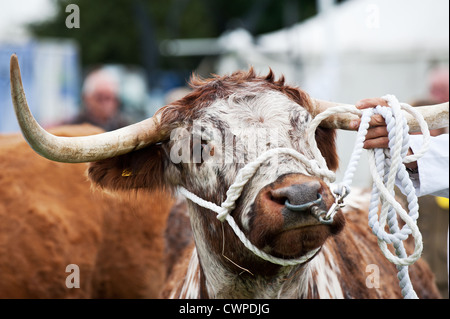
x: 302, y: 207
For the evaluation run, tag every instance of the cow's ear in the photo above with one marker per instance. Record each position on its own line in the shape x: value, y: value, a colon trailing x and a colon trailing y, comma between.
x: 326, y: 142
x: 139, y: 169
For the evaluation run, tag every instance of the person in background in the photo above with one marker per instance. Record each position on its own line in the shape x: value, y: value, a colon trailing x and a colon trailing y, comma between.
x: 439, y: 85
x: 100, y: 102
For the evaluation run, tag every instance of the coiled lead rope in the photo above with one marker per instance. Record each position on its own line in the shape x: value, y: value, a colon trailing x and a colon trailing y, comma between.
x: 387, y: 165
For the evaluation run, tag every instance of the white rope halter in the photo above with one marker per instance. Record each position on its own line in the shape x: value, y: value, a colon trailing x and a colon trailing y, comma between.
x: 385, y: 167
x: 235, y: 190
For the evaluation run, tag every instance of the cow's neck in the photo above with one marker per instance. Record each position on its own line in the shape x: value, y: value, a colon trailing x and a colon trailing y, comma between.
x: 317, y: 279
x: 216, y: 281
x: 209, y: 276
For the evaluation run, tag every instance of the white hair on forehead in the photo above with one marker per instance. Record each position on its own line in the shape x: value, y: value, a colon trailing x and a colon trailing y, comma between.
x: 105, y: 77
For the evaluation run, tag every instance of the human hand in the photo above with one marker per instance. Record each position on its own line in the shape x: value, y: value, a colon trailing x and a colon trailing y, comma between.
x: 377, y: 134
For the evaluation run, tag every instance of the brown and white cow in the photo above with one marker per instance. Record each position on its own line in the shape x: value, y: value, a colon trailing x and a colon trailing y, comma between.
x: 231, y: 108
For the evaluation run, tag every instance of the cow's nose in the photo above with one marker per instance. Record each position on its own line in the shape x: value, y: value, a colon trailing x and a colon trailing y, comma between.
x: 298, y: 197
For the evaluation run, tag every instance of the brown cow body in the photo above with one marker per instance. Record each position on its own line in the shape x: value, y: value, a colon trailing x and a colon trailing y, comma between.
x: 50, y: 217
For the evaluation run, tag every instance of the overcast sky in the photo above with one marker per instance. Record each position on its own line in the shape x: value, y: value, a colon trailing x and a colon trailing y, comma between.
x: 14, y: 14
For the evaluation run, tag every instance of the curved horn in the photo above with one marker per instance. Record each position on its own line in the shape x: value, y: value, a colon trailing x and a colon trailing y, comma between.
x: 435, y: 115
x: 78, y: 149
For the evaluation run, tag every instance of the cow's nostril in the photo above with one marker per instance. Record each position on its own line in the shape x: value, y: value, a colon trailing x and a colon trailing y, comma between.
x: 279, y: 200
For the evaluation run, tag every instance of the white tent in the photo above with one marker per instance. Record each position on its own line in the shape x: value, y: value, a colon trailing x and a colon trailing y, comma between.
x: 387, y: 41
x: 358, y: 49
x: 368, y: 26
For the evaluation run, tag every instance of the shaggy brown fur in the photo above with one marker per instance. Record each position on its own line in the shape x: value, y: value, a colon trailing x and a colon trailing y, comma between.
x: 51, y: 217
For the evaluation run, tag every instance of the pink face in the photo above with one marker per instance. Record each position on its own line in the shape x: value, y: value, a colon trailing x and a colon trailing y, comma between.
x: 102, y: 103
x: 439, y: 86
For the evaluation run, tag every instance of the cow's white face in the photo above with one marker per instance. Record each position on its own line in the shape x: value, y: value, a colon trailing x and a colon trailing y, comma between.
x: 234, y: 131
x: 225, y: 123
x: 208, y: 152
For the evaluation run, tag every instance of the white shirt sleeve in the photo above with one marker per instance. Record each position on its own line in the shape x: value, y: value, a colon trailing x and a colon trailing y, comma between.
x: 433, y: 167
